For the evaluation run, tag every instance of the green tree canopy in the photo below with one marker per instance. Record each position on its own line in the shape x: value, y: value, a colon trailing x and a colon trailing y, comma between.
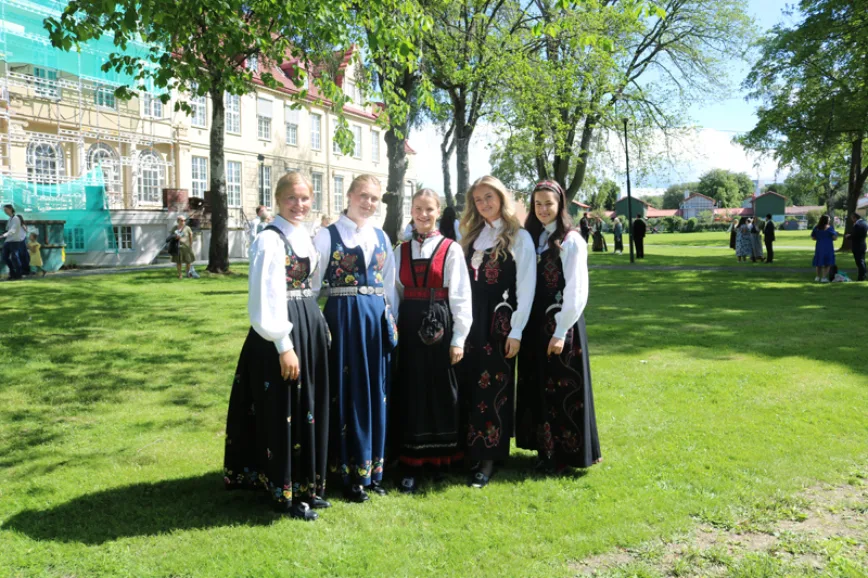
x: 729, y: 189
x: 673, y: 195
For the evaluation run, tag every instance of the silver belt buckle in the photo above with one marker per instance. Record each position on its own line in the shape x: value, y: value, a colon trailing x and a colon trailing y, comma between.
x: 307, y: 293
x: 364, y: 289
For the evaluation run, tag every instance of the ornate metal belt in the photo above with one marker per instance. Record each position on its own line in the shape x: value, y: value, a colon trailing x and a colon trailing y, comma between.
x: 363, y: 290
x: 299, y: 293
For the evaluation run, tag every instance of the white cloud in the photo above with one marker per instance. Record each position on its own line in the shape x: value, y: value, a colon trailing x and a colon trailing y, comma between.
x: 426, y: 142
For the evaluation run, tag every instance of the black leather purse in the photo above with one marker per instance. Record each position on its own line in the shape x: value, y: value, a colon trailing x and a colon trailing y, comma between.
x: 431, y: 330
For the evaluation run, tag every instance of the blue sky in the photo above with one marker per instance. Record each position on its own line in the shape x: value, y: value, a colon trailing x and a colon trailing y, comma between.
x: 711, y: 148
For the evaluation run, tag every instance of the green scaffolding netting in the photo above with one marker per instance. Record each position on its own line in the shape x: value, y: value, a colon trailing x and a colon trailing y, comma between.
x: 80, y: 203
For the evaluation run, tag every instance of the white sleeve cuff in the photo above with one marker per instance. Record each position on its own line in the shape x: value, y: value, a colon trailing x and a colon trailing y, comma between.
x: 284, y: 344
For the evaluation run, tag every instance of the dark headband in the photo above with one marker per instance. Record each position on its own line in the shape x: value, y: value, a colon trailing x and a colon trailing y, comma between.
x: 552, y: 186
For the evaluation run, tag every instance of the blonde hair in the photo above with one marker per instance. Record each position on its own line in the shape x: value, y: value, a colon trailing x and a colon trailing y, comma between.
x: 288, y: 181
x: 358, y: 183
x: 472, y: 222
x: 426, y: 193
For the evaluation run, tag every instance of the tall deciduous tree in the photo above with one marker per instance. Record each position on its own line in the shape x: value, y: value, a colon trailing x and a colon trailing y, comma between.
x: 811, y: 80
x: 673, y: 195
x: 598, y: 61
x: 203, y: 47
x: 729, y: 189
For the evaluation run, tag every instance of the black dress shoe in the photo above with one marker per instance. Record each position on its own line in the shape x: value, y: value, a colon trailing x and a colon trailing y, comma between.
x: 318, y: 503
x: 377, y: 488
x: 356, y: 494
x: 299, y: 511
x: 479, y: 480
x: 408, y: 485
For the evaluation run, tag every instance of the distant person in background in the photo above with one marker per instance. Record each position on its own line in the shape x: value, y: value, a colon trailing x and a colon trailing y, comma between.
x: 33, y: 248
x: 619, y: 236
x: 15, y: 235
x: 638, y: 236
x: 756, y: 241
x: 263, y: 218
x: 185, y: 255
x: 769, y: 233
x: 743, y: 243
x: 857, y: 239
x: 324, y: 222
x: 449, y: 224
x: 824, y: 251
x: 599, y: 239
x: 733, y: 234
x: 585, y: 227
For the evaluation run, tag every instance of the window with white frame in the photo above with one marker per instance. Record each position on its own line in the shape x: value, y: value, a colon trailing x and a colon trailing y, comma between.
x: 151, y: 171
x: 357, y: 142
x: 336, y: 149
x: 315, y: 132
x: 265, y: 185
x: 152, y: 106
x: 44, y: 162
x: 233, y: 183
x: 338, y: 194
x: 46, y: 82
x: 375, y: 146
x: 291, y: 116
x: 263, y: 118
x: 73, y: 238
x: 316, y: 179
x: 199, y: 106
x: 232, y: 113
x: 119, y: 239
x: 198, y: 177
x: 104, y: 97
x: 106, y: 158
x: 408, y: 196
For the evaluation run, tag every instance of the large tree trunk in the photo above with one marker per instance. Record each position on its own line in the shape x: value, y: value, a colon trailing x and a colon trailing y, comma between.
x: 218, y: 252
x: 582, y: 161
x: 394, y: 197
x: 855, y: 186
x: 447, y: 147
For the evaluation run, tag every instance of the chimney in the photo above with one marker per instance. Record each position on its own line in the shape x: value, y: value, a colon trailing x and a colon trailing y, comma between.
x: 686, y: 194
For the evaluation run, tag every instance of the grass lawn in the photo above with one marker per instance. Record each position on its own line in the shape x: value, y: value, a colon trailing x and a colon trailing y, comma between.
x: 718, y: 398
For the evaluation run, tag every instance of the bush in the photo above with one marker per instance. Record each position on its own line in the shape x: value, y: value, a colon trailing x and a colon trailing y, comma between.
x: 674, y: 223
x: 690, y: 225
x: 813, y: 218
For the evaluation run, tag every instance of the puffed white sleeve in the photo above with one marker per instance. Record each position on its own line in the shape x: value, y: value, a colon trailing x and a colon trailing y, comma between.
x: 322, y: 243
x: 457, y: 280
x: 574, y: 258
x: 389, y: 278
x: 266, y: 301
x: 525, y: 282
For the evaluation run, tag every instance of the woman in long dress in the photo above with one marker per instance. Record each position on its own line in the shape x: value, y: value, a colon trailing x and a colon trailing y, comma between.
x: 502, y: 266
x: 357, y: 269
x: 556, y: 404
x: 824, y: 251
x: 756, y: 241
x: 435, y: 317
x: 277, y: 427
x: 743, y: 243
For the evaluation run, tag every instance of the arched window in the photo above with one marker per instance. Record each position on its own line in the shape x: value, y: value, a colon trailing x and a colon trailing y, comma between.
x: 103, y: 156
x: 44, y: 162
x: 150, y: 178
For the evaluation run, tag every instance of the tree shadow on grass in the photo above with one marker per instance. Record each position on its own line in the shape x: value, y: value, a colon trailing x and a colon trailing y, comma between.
x: 146, y: 509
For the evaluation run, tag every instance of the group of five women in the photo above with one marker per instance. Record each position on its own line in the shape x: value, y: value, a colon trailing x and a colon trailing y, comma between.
x: 314, y: 387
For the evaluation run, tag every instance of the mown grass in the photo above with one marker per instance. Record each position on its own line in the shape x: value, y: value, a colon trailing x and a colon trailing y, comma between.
x: 712, y: 390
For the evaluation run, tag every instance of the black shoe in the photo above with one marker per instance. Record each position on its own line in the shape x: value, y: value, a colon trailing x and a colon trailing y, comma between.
x: 377, y: 488
x: 408, y: 485
x: 318, y: 503
x: 356, y: 494
x: 479, y: 480
x: 299, y: 511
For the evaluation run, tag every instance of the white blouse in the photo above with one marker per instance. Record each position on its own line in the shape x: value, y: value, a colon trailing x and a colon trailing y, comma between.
x: 525, y: 263
x: 266, y: 301
x: 574, y: 259
x: 15, y: 232
x: 455, y: 278
x: 353, y: 236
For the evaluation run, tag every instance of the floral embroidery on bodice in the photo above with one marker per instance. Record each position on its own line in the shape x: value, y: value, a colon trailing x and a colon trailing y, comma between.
x: 347, y: 266
x: 298, y: 269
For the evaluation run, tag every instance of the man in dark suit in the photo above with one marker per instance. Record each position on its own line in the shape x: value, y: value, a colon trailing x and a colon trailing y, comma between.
x: 584, y: 228
x: 769, y: 232
x: 638, y: 236
x: 857, y: 239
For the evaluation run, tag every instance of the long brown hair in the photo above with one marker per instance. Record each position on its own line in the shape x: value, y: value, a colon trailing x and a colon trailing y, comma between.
x: 472, y: 222
x: 535, y: 227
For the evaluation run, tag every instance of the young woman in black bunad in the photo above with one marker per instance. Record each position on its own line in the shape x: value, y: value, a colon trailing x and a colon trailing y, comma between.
x: 435, y: 317
x: 556, y: 416
x: 278, y: 422
x: 502, y: 265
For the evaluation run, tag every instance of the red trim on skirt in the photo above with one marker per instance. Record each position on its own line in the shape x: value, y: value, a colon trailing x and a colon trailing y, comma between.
x: 439, y: 461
